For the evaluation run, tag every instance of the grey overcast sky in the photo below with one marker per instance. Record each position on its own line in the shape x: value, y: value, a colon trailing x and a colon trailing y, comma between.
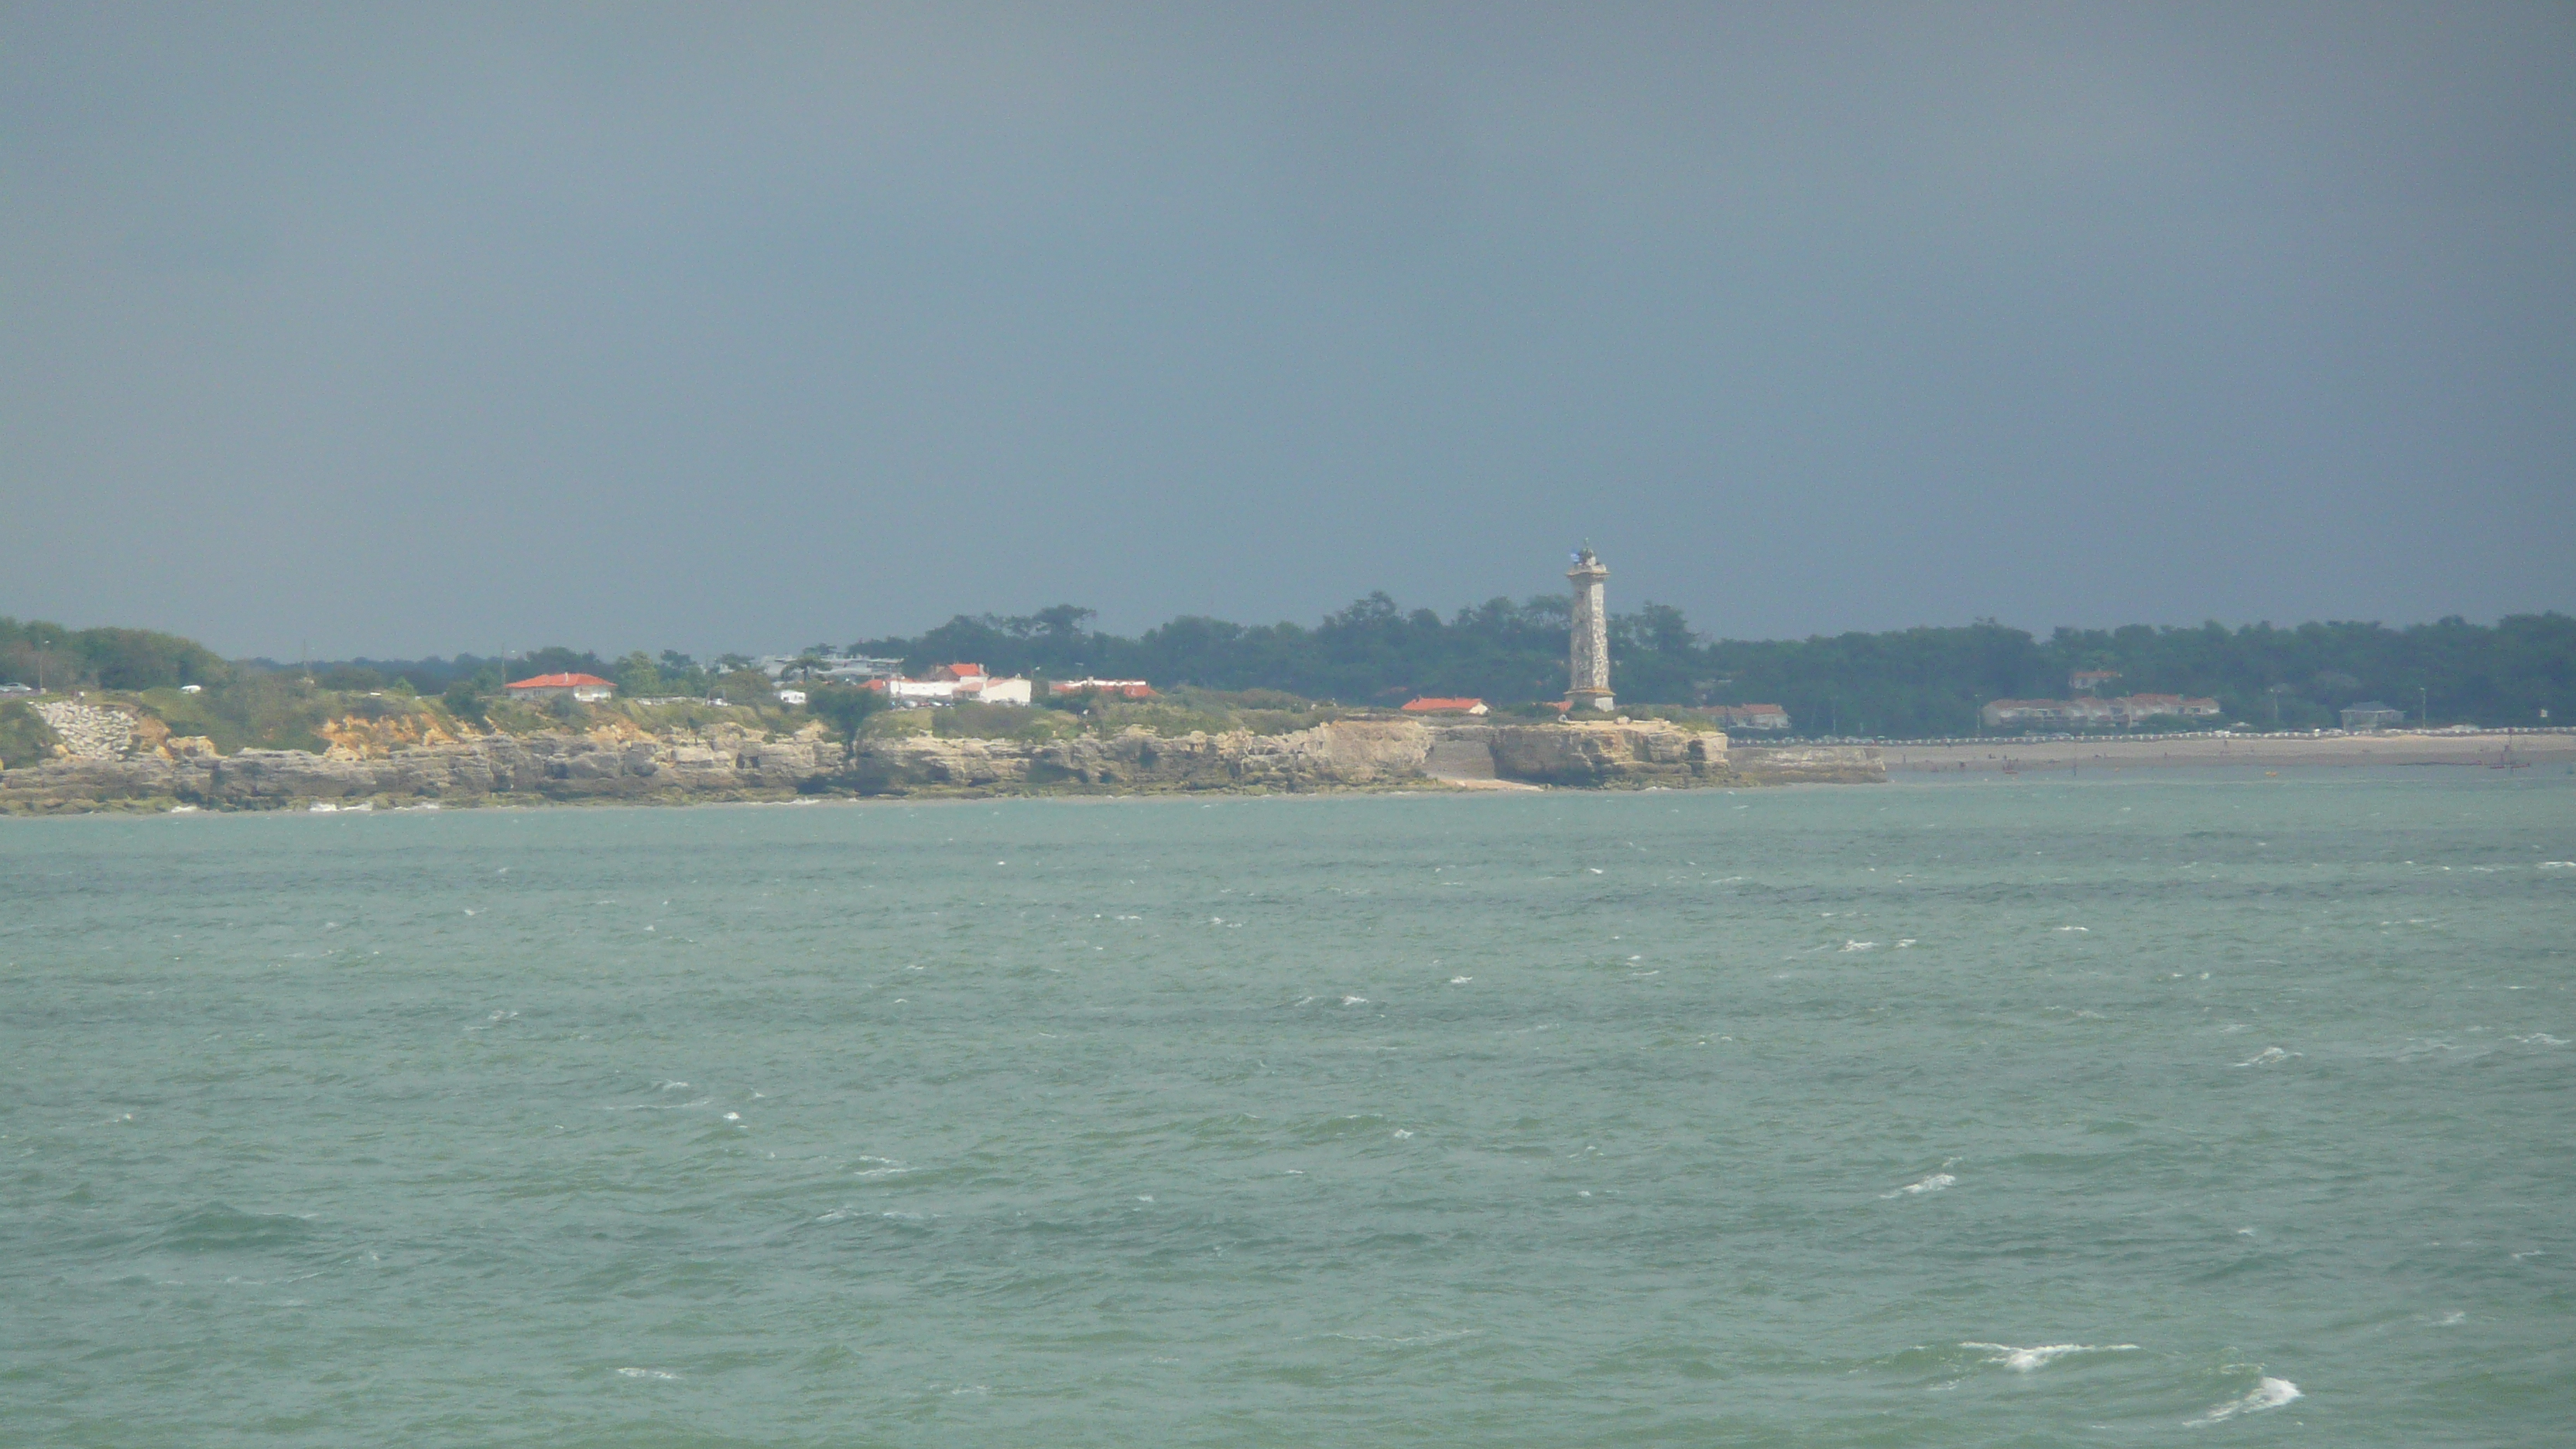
x: 417, y: 329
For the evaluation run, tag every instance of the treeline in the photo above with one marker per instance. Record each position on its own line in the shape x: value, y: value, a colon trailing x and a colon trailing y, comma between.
x: 49, y: 655
x: 1912, y: 682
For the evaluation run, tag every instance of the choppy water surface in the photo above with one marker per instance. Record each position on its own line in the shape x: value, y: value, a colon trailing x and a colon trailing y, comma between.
x: 2171, y: 1111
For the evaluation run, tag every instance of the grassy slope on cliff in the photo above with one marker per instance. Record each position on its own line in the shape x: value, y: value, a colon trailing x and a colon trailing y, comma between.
x: 25, y: 738
x: 1182, y: 712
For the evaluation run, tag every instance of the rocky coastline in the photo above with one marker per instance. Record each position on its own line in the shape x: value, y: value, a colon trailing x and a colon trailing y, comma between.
x: 128, y: 764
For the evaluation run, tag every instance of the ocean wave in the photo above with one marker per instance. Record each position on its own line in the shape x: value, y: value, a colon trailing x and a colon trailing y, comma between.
x: 1937, y: 1182
x: 2267, y: 1393
x: 2030, y: 1360
x: 1403, y: 1340
x: 221, y: 1228
x: 2269, y: 1057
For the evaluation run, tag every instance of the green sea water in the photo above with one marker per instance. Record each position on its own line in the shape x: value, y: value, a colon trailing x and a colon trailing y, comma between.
x: 2129, y: 1111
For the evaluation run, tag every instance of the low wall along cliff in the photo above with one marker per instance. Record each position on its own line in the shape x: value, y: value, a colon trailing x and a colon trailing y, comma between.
x: 133, y: 763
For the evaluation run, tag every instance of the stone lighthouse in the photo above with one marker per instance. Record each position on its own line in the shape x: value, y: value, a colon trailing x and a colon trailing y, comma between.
x: 1589, y: 655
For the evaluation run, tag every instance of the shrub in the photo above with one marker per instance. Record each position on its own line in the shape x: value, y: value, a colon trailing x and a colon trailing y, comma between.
x: 25, y: 738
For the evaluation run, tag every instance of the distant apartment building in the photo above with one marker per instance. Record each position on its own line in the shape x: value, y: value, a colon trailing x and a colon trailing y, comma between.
x: 1750, y: 716
x: 2087, y: 712
x: 2149, y: 706
x: 1121, y: 688
x: 829, y: 668
x: 2371, y: 714
x: 586, y: 688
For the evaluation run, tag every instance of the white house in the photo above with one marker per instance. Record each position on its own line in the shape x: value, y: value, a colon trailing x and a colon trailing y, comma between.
x: 958, y: 684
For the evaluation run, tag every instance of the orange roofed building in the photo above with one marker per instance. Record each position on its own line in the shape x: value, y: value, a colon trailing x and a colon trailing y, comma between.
x: 1445, y: 706
x: 587, y: 688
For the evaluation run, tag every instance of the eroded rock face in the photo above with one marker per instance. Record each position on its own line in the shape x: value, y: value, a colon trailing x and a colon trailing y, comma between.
x: 728, y: 762
x: 723, y: 763
x: 1344, y: 753
x: 87, y: 731
x: 1598, y: 755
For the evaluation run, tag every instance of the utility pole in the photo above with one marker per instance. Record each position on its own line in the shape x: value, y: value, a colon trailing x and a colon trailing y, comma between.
x: 2423, y: 710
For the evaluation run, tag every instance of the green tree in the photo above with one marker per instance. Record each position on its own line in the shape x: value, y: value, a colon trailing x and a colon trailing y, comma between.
x: 463, y: 701
x: 637, y: 676
x: 845, y: 707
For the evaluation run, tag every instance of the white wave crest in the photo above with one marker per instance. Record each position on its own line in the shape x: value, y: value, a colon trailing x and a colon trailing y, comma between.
x: 1434, y: 1336
x: 645, y: 1373
x: 2268, y: 1393
x: 1935, y: 1183
x: 2269, y: 1057
x: 2027, y: 1360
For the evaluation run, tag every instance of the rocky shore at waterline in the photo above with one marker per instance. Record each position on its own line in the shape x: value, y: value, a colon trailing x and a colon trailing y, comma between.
x: 727, y: 762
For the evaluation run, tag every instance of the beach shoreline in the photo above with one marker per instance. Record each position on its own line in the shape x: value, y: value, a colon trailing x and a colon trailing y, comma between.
x: 2497, y: 750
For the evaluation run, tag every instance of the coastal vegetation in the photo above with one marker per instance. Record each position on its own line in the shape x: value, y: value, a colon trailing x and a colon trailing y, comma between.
x: 25, y: 738
x: 1275, y: 678
x: 1923, y: 682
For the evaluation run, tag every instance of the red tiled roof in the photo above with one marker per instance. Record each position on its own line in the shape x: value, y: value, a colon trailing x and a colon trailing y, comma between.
x: 562, y: 681
x: 1441, y: 706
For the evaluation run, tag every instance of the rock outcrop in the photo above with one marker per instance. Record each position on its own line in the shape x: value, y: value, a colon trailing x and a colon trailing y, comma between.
x: 1606, y: 755
x: 722, y: 763
x: 726, y: 761
x: 87, y: 731
x: 1342, y: 754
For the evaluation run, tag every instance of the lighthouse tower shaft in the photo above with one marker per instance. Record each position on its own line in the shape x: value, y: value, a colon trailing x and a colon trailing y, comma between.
x: 1589, y: 655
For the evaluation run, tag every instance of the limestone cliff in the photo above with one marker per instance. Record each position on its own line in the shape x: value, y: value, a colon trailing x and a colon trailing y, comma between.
x: 1344, y: 753
x: 1589, y: 754
x: 724, y: 762
x: 728, y: 761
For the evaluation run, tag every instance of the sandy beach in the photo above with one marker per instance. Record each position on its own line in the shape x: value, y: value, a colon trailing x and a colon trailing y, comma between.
x: 2494, y: 750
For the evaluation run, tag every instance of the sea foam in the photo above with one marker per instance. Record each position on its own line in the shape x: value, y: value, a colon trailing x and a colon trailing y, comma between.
x: 2027, y: 1360
x: 2267, y: 1393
